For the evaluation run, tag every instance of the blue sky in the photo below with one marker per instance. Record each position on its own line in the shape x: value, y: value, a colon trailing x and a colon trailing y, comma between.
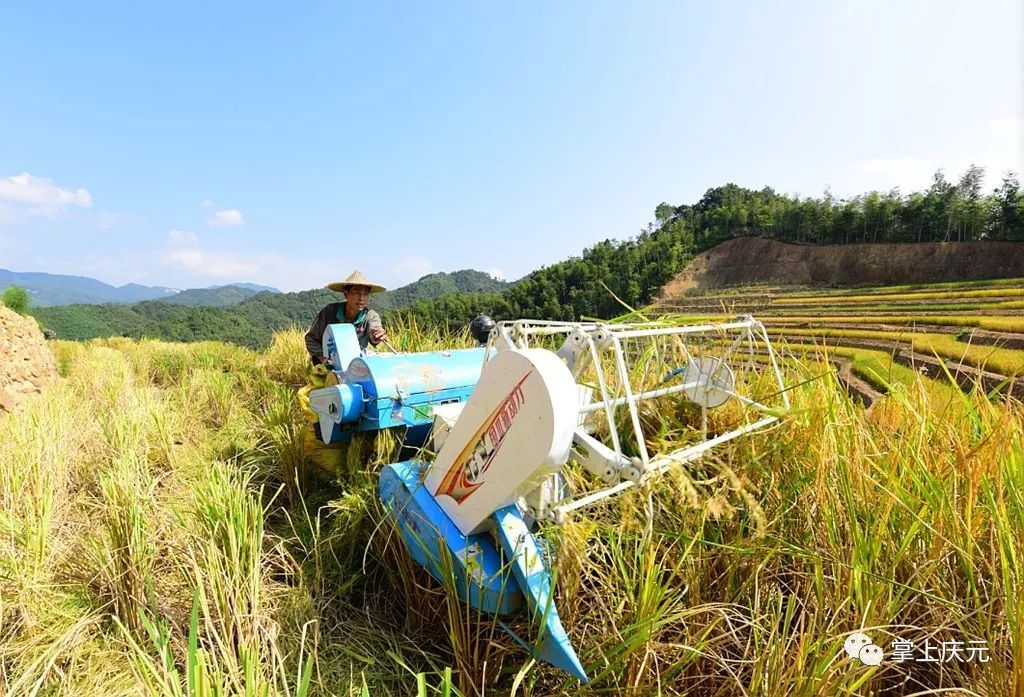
x: 190, y: 144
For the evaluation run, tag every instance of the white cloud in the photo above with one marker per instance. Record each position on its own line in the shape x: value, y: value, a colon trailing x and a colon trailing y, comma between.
x: 207, y: 204
x: 214, y: 264
x: 189, y: 267
x: 496, y: 273
x: 226, y: 218
x: 41, y: 191
x: 412, y: 268
x: 182, y: 237
x: 24, y: 195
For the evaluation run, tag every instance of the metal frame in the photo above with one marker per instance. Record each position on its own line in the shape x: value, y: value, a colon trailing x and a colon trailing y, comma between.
x: 584, y: 344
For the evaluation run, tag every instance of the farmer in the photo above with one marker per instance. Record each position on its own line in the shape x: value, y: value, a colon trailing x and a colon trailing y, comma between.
x: 353, y: 310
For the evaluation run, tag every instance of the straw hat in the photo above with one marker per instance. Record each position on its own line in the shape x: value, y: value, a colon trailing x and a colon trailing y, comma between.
x: 356, y: 278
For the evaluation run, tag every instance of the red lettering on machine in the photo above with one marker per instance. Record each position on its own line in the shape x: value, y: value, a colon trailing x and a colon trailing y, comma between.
x: 466, y: 473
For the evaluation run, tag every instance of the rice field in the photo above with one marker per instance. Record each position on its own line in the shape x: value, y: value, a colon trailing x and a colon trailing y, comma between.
x: 169, y: 531
x: 959, y: 332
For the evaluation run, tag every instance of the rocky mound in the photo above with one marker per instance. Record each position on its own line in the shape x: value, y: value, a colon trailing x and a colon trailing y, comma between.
x: 26, y: 363
x: 748, y: 260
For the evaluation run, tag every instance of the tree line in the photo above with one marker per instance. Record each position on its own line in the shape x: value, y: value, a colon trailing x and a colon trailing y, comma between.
x: 612, y: 274
x: 945, y: 212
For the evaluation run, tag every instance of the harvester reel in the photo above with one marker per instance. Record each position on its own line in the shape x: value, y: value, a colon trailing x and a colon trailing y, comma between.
x: 713, y: 382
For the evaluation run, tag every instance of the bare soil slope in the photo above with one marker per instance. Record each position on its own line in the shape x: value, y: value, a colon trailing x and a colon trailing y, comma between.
x: 749, y: 260
x: 26, y: 363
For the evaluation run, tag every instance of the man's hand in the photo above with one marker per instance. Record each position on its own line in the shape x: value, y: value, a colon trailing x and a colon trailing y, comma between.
x: 378, y: 334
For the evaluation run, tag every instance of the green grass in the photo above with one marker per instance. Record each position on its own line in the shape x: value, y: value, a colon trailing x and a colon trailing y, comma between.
x: 766, y: 310
x: 165, y: 533
x: 999, y: 324
x: 878, y: 368
x: 960, y: 297
x: 771, y: 291
x: 1008, y: 362
x: 1011, y: 324
x: 901, y: 288
x: 794, y: 299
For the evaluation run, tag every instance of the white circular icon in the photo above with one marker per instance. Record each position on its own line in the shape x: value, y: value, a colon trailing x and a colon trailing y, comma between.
x: 871, y: 655
x: 855, y: 642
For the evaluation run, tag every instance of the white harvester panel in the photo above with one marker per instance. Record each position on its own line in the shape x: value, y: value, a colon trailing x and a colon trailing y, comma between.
x: 515, y: 430
x: 445, y: 417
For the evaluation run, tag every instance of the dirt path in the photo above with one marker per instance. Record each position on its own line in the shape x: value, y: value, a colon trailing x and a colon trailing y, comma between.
x: 858, y: 389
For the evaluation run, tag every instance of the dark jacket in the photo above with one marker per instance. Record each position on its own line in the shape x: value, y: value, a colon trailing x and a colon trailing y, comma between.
x: 335, y: 314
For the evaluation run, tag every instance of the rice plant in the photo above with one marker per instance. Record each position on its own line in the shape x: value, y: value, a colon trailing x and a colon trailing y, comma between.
x: 169, y: 530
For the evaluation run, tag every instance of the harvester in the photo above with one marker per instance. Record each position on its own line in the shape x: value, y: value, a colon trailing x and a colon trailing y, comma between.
x: 506, y: 420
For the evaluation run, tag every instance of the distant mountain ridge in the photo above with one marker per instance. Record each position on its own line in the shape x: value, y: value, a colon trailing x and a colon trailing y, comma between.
x: 49, y: 290
x: 250, y: 321
x: 217, y: 296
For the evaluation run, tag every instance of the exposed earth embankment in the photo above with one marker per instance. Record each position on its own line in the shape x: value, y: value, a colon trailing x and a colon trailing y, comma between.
x: 26, y: 363
x: 745, y: 261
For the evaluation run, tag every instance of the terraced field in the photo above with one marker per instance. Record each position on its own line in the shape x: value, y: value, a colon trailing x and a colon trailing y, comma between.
x: 170, y: 533
x: 964, y: 333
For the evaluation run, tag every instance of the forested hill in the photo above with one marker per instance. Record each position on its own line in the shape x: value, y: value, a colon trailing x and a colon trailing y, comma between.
x: 221, y: 296
x: 437, y: 285
x: 611, y: 273
x: 249, y: 322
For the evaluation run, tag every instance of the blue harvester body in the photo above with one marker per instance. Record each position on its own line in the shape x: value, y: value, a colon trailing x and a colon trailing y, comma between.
x: 499, y: 571
x: 389, y: 390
